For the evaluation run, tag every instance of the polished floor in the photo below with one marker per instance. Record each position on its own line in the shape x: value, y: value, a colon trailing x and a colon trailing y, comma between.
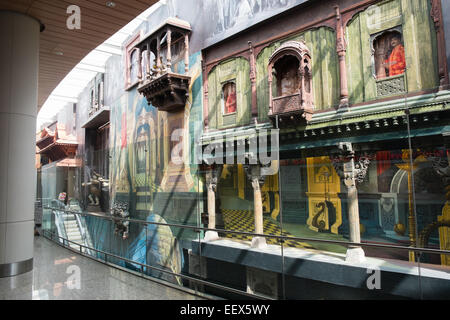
x: 60, y: 274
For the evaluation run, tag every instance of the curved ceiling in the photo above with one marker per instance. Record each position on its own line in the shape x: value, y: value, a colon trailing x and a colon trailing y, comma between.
x: 61, y: 49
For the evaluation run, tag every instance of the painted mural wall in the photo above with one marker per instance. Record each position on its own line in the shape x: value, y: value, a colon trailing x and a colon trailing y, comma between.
x: 146, y: 181
x: 147, y: 184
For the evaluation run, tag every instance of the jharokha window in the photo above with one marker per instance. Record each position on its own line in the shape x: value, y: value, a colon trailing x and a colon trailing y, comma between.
x: 288, y: 81
x: 389, y: 55
x: 229, y: 98
x: 132, y: 71
x: 289, y: 72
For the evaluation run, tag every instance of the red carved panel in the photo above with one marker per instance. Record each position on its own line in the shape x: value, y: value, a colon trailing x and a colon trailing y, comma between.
x: 286, y: 104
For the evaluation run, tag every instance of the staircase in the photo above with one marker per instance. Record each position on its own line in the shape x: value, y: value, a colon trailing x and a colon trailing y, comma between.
x: 72, y: 230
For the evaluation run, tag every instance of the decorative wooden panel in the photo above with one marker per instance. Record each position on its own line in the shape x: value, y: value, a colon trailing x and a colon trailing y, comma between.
x: 419, y: 38
x: 237, y: 70
x: 325, y: 74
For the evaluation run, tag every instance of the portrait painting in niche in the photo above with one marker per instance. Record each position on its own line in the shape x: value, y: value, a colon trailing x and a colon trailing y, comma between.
x: 229, y: 98
x: 288, y: 80
x: 389, y: 55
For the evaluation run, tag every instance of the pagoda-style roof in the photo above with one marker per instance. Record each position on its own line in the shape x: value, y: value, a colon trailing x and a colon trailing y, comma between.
x: 70, y: 163
x: 46, y: 137
x: 58, y: 144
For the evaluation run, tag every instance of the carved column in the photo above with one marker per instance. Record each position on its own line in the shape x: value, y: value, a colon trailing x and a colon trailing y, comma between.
x: 169, y: 50
x: 212, y: 179
x: 253, y: 81
x: 410, y: 166
x: 205, y: 98
x: 436, y: 15
x: 270, y: 79
x: 186, y: 53
x: 341, y: 51
x: 158, y: 56
x: 351, y: 173
x: 148, y: 67
x: 139, y: 64
x: 257, y: 180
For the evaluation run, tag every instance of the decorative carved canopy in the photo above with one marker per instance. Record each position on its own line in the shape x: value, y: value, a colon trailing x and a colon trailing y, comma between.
x: 163, y: 88
x: 167, y: 92
x: 57, y: 145
x: 291, y: 64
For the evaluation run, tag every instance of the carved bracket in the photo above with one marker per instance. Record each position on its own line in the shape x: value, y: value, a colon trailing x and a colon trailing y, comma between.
x: 168, y: 92
x: 344, y: 163
x: 213, y: 176
x: 254, y: 175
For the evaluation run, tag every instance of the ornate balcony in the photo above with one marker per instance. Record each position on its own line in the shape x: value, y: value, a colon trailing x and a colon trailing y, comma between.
x: 290, y: 67
x: 163, y: 88
x: 289, y: 110
x: 167, y: 92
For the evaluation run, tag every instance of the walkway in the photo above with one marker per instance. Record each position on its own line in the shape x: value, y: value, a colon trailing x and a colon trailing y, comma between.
x: 56, y: 267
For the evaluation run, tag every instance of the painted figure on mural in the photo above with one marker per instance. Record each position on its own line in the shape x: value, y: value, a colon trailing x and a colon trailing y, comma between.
x: 229, y: 95
x: 396, y: 64
x: 243, y: 11
x: 289, y: 82
x: 230, y: 13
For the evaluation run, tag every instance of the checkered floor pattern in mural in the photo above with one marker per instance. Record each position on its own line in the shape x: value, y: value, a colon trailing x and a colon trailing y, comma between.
x: 243, y: 220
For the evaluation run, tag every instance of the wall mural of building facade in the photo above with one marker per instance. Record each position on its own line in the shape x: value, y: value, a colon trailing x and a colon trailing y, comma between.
x: 361, y: 125
x: 144, y: 175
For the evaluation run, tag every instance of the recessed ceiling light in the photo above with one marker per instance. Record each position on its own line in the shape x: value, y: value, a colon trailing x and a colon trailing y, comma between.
x: 110, y: 4
x: 59, y: 53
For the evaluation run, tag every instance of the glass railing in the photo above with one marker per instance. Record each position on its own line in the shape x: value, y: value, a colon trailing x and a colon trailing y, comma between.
x: 159, y: 258
x: 154, y: 216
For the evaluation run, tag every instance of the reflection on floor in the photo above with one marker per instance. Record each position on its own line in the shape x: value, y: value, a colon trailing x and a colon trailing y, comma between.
x: 243, y: 220
x: 60, y: 274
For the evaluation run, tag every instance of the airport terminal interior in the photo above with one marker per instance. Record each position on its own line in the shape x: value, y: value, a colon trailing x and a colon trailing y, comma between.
x: 232, y: 149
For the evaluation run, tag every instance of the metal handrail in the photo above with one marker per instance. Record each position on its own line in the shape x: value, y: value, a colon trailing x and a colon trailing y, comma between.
x: 143, y: 265
x: 279, y: 237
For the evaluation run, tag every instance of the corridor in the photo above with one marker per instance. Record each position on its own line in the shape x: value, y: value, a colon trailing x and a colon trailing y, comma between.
x: 54, y: 277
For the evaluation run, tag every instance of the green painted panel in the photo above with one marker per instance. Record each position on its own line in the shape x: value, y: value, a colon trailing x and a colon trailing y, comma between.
x: 244, y: 92
x: 354, y: 62
x: 370, y: 88
x: 426, y: 43
x: 413, y: 16
x: 212, y: 99
x: 238, y: 70
x: 325, y: 69
x: 262, y: 85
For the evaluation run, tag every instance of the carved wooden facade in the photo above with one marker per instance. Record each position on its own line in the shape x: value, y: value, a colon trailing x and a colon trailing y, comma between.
x: 342, y: 58
x: 294, y: 100
x: 163, y: 88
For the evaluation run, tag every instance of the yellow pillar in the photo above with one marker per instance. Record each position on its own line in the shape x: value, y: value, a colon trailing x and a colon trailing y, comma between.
x: 323, y: 184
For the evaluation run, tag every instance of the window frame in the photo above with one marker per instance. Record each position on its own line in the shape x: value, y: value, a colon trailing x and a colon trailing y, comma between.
x: 129, y: 49
x: 222, y: 98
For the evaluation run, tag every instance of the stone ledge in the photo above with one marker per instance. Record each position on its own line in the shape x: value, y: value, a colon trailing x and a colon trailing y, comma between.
x: 399, y: 278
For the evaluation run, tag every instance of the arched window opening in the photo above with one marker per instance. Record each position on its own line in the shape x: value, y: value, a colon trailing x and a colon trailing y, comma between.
x: 99, y: 101
x: 290, y: 79
x: 288, y: 82
x: 307, y: 75
x: 134, y: 65
x: 92, y: 98
x: 229, y: 104
x: 389, y: 55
